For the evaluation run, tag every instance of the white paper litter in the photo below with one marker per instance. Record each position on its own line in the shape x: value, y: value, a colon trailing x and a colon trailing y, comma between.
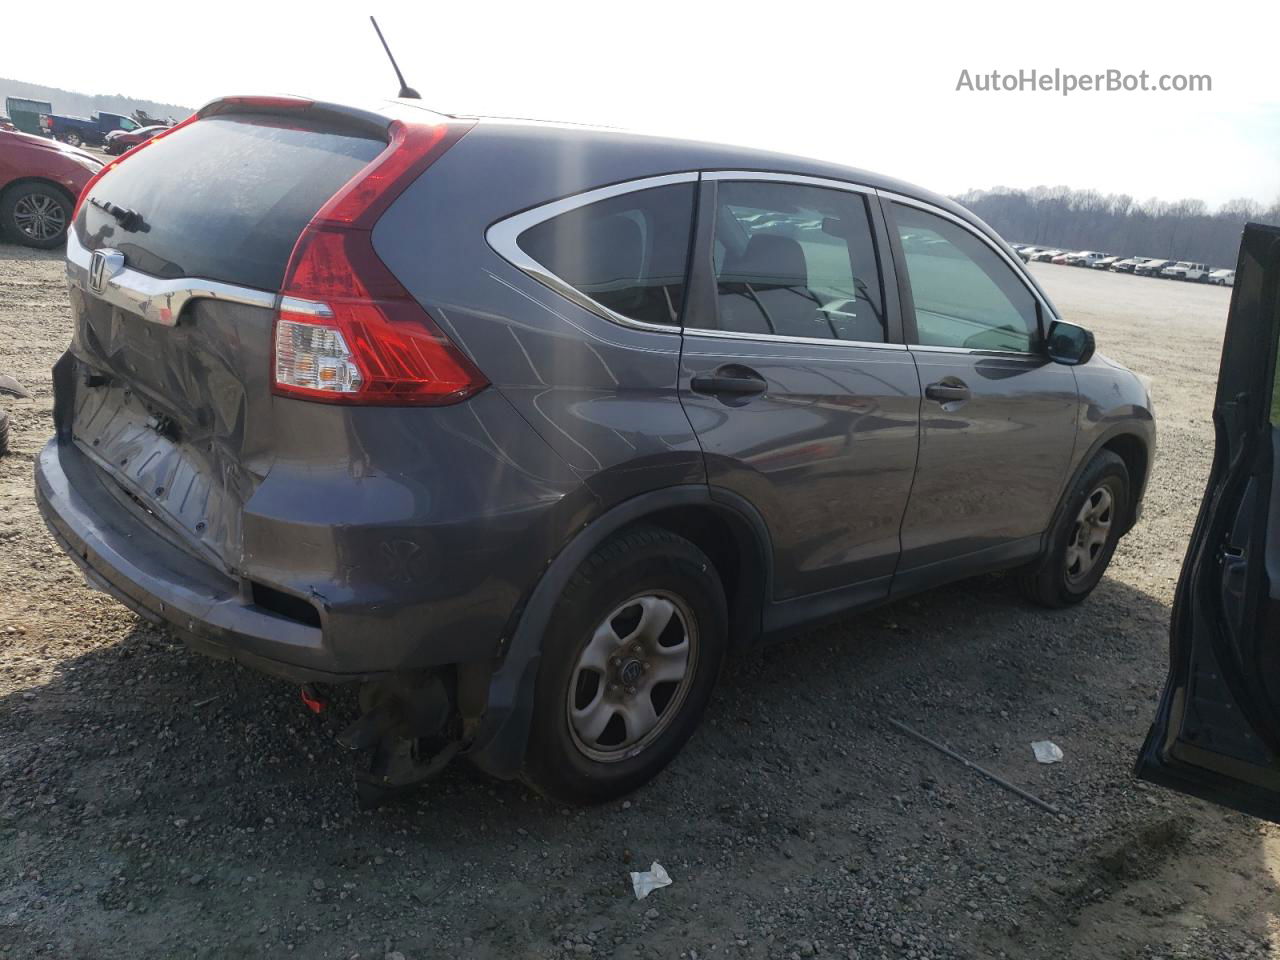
x: 645, y: 882
x: 1047, y: 751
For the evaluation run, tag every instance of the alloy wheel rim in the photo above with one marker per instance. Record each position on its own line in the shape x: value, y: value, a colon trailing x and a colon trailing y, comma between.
x: 1090, y: 534
x: 39, y: 217
x: 632, y: 676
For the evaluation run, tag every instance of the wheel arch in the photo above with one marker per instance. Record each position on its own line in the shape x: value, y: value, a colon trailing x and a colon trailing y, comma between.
x: 1134, y: 443
x: 724, y: 526
x: 1133, y: 450
x: 41, y: 181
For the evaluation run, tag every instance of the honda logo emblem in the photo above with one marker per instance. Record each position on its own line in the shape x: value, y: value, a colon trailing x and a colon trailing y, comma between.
x: 103, y: 266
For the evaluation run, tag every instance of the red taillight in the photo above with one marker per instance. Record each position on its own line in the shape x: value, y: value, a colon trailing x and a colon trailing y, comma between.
x: 347, y: 331
x: 84, y: 194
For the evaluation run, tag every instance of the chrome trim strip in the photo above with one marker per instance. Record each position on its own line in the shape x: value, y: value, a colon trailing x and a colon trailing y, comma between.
x: 1019, y: 268
x: 986, y: 352
x: 503, y: 235
x: 311, y: 308
x: 788, y: 178
x: 779, y: 338
x: 154, y: 299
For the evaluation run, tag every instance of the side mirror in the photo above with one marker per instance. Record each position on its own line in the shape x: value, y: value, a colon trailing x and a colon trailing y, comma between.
x: 1069, y: 344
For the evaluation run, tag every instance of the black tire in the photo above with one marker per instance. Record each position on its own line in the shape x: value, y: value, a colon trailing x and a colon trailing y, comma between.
x: 4, y: 432
x: 22, y: 200
x: 1052, y: 581
x: 633, y: 563
x: 73, y: 139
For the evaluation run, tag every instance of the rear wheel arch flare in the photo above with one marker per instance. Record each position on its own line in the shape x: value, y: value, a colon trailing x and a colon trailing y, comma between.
x: 736, y: 547
x: 500, y: 743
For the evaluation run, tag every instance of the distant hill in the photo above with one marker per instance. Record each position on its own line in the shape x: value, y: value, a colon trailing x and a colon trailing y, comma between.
x: 69, y: 103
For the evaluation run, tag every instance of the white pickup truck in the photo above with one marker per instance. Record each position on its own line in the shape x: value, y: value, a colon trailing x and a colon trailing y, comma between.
x: 1185, y: 270
x: 1084, y: 258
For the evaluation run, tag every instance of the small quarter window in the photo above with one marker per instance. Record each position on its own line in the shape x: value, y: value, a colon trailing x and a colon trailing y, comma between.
x: 628, y: 253
x: 965, y: 294
x: 797, y: 261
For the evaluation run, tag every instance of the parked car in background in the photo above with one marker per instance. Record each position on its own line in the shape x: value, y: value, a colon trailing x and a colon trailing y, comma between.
x: 118, y: 141
x: 1105, y: 263
x: 25, y: 114
x: 1026, y: 253
x: 1046, y: 255
x: 1060, y: 259
x: 39, y: 182
x: 78, y: 131
x: 1185, y: 270
x: 1084, y: 258
x: 1151, y: 268
x: 1223, y: 278
x: 1128, y: 264
x: 541, y: 557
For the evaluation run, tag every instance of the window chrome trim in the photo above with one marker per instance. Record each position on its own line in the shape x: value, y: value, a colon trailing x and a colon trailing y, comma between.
x: 156, y: 300
x: 1019, y: 270
x: 993, y: 352
x: 503, y: 237
x: 780, y: 338
x: 797, y: 178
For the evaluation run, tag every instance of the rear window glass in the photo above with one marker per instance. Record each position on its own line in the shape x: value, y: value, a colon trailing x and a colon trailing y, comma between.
x: 223, y: 198
x: 627, y: 253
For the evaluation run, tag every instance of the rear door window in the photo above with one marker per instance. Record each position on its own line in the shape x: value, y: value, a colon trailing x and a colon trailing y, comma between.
x: 224, y: 198
x: 628, y: 253
x: 797, y: 261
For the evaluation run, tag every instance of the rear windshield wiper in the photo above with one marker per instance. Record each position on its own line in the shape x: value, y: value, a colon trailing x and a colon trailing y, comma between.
x: 130, y: 220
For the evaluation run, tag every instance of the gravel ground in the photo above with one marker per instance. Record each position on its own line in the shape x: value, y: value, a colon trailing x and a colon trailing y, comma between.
x: 157, y: 804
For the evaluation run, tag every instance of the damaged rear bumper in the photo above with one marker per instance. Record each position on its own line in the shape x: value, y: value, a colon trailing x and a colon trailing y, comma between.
x: 125, y: 557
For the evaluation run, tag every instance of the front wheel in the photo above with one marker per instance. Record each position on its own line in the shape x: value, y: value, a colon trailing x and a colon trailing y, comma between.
x: 36, y: 215
x: 1094, y: 513
x: 629, y: 661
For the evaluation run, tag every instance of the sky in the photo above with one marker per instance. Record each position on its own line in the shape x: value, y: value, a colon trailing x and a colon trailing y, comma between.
x: 872, y: 86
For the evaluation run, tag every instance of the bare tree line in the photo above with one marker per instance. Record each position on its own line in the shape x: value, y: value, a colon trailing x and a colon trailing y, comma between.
x: 1118, y: 224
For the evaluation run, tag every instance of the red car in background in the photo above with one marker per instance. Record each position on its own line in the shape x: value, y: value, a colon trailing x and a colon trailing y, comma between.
x: 39, y: 182
x: 118, y: 141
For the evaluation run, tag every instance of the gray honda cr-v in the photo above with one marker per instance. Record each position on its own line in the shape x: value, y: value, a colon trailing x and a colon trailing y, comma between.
x: 525, y: 427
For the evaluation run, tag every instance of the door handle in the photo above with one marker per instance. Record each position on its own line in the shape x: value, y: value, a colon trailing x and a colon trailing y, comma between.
x: 720, y: 384
x: 731, y: 380
x: 950, y: 390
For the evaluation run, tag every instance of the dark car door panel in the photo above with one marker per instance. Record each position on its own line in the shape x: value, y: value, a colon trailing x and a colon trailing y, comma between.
x: 826, y: 452
x: 1217, y: 731
x: 794, y: 379
x: 995, y: 442
x: 998, y: 418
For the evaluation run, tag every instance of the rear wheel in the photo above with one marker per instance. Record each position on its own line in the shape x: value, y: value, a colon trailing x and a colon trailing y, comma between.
x: 628, y: 664
x: 1089, y: 524
x: 72, y: 139
x: 36, y: 214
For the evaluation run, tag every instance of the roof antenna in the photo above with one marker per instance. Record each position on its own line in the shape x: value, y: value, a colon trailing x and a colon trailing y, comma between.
x: 406, y: 91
